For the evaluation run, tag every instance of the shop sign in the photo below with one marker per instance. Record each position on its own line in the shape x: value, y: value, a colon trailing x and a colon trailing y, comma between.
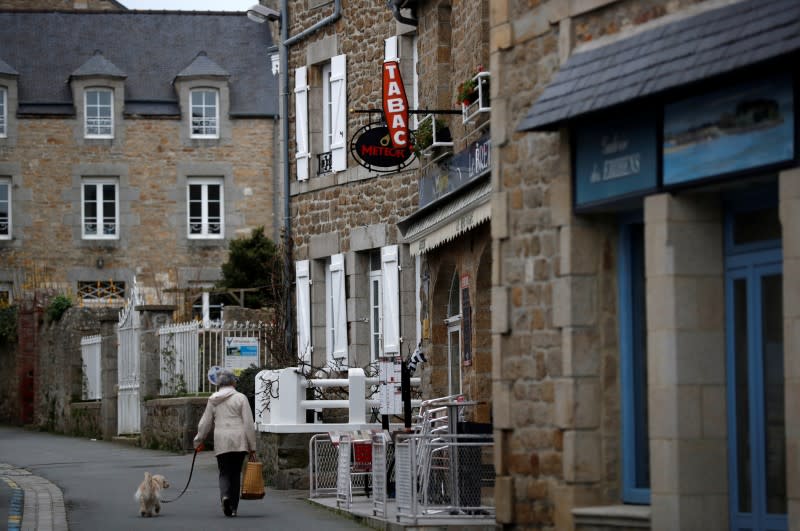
x: 615, y: 158
x: 372, y: 148
x: 461, y: 169
x: 749, y: 125
x: 395, y: 105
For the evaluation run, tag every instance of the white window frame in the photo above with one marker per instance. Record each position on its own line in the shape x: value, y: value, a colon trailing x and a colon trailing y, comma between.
x: 327, y: 109
x: 99, y: 184
x: 303, y: 295
x: 375, y: 314
x: 338, y: 83
x: 3, y: 112
x: 302, y: 152
x: 205, y: 223
x: 336, y: 310
x: 204, y: 116
x: 91, y: 112
x: 390, y: 303
x: 5, y: 206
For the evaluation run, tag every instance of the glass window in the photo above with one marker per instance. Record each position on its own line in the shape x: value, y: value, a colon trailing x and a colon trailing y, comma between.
x: 205, y: 208
x: 100, y: 217
x: 205, y: 113
x: 99, y: 113
x: 5, y: 208
x: 3, y: 111
x: 633, y: 354
x: 376, y: 313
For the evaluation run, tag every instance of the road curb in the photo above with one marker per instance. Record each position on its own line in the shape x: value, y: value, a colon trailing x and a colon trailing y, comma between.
x: 37, y: 504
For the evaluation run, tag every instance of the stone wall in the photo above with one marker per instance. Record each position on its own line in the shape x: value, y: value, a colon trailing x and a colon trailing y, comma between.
x: 553, y: 278
x: 152, y: 164
x: 171, y: 423
x: 285, y: 458
x: 85, y: 420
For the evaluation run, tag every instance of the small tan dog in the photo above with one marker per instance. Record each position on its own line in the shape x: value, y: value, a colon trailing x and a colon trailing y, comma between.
x: 148, y: 493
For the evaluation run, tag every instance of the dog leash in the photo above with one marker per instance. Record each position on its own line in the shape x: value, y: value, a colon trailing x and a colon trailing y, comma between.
x: 191, y: 470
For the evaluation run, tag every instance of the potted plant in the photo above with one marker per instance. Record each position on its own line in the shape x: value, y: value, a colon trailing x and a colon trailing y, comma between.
x: 423, y: 136
x: 467, y: 92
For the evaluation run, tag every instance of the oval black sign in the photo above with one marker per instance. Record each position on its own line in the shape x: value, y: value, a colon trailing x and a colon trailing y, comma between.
x: 372, y: 148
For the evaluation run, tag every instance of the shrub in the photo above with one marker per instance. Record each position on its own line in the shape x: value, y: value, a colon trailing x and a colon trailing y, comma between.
x: 57, y: 307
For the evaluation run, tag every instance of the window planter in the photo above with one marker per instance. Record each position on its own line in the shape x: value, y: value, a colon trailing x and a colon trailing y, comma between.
x: 432, y: 141
x: 477, y: 101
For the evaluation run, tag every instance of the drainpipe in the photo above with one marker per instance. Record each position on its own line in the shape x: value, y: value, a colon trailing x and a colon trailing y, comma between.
x: 283, y: 46
x: 397, y: 5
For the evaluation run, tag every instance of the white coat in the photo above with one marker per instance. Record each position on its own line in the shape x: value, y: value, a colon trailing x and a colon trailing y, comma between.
x: 228, y: 412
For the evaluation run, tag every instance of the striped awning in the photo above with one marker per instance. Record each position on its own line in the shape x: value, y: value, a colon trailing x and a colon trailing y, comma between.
x: 450, y: 220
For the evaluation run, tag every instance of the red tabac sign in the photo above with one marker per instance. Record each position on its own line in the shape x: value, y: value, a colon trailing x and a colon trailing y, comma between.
x: 395, y: 105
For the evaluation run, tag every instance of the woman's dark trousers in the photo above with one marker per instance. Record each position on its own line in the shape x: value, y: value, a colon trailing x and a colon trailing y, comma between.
x: 230, y: 476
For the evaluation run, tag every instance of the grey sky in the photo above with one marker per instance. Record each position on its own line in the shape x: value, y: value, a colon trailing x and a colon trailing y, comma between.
x: 190, y: 5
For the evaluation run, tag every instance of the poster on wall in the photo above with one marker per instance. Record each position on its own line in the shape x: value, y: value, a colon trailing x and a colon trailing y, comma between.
x: 389, y: 389
x: 615, y: 158
x: 466, y: 321
x: 737, y: 128
x: 240, y: 353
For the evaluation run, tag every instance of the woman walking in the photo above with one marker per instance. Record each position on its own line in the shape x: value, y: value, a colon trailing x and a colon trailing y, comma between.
x: 228, y: 412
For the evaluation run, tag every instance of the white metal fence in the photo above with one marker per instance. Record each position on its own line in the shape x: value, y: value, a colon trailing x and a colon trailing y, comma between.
x: 189, y: 350
x: 128, y: 331
x: 90, y: 358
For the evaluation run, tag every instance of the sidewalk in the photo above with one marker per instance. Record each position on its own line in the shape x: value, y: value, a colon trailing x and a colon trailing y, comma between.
x: 43, y: 508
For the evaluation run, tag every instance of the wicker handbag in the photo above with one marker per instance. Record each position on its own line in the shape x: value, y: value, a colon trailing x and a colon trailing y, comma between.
x: 253, y: 481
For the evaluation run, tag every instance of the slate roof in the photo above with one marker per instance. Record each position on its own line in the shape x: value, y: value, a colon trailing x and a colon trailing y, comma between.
x: 203, y: 66
x: 97, y: 65
x: 150, y: 48
x: 667, y: 56
x: 6, y: 69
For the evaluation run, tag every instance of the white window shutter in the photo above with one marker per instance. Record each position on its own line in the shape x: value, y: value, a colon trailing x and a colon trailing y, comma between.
x: 338, y: 308
x: 391, y: 49
x: 302, y: 155
x: 390, y: 267
x: 303, y: 291
x: 339, y: 113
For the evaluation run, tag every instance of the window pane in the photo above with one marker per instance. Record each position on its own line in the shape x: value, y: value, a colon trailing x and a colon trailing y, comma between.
x: 743, y: 455
x: 213, y: 192
x: 195, y: 192
x: 774, y: 412
x: 639, y: 361
x: 90, y: 192
x: 756, y: 226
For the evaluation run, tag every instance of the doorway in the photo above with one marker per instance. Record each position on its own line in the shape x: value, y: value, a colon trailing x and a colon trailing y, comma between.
x: 755, y: 376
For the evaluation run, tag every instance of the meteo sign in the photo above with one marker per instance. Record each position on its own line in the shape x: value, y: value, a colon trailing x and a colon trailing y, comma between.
x: 395, y: 105
x: 372, y: 148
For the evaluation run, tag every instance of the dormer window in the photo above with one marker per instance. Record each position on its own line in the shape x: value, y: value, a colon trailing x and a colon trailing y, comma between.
x: 99, y: 113
x: 205, y: 113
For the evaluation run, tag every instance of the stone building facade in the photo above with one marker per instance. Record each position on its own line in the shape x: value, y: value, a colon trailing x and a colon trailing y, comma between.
x: 624, y: 288
x: 134, y: 146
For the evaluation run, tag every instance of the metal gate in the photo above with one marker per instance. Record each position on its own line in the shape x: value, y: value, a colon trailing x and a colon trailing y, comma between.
x: 128, y: 329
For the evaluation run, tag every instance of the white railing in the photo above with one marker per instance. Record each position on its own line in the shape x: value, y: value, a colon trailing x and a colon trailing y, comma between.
x: 179, y: 354
x: 90, y: 358
x: 189, y: 350
x: 288, y: 407
x: 481, y: 104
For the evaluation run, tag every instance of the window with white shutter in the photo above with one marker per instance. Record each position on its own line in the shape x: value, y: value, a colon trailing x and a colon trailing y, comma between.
x: 336, y: 309
x: 302, y: 155
x: 390, y: 267
x: 303, y: 291
x: 339, y: 113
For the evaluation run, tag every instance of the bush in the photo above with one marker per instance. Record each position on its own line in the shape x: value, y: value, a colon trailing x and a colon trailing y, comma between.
x: 57, y: 307
x: 8, y: 324
x: 254, y: 262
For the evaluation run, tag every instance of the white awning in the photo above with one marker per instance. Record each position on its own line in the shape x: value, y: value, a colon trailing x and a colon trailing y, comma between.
x: 451, y: 220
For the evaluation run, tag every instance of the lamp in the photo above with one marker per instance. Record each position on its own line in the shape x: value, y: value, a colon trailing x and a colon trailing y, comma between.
x: 261, y: 14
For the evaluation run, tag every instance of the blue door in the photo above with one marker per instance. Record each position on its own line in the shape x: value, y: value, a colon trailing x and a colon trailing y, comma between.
x: 756, y: 415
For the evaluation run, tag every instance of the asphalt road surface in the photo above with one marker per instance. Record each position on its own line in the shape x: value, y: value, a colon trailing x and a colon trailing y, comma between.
x: 98, y: 480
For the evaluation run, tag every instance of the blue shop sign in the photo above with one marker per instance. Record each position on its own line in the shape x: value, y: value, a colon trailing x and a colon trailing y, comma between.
x: 459, y: 170
x: 615, y: 158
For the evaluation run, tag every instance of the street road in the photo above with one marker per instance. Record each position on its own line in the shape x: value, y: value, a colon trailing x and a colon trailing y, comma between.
x: 98, y: 480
